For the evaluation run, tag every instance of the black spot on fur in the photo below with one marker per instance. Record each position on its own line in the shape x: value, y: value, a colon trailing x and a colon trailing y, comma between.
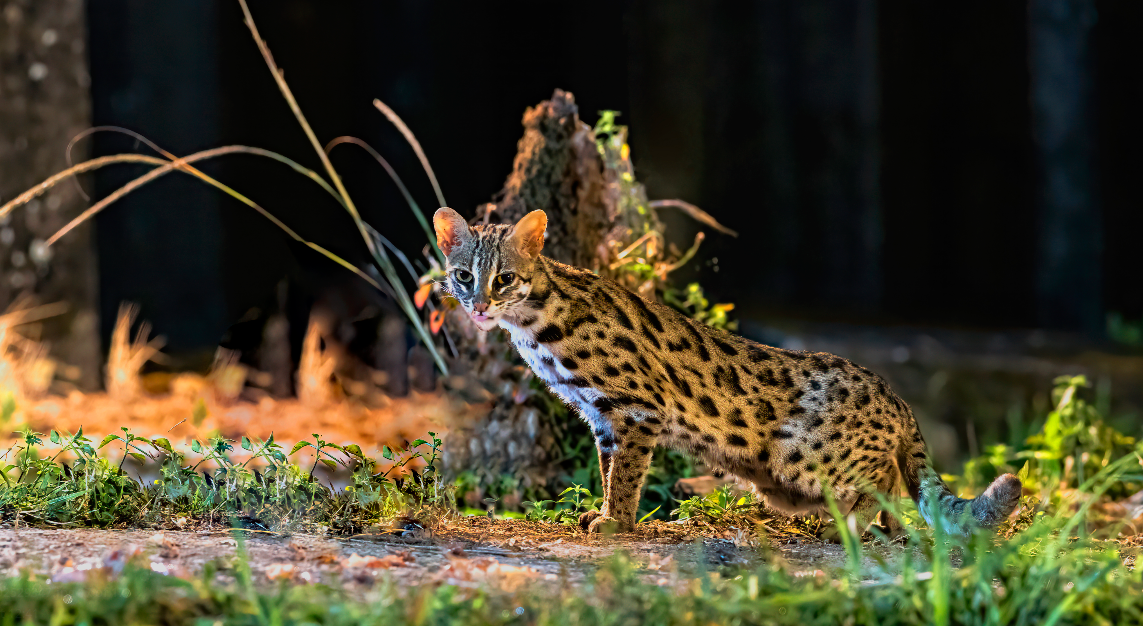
x: 783, y: 434
x: 679, y: 383
x: 794, y: 457
x: 728, y: 376
x: 649, y: 335
x: 550, y: 333
x: 707, y: 406
x: 624, y: 343
x: 627, y: 367
x: 725, y: 347
x: 756, y: 354
x: 818, y: 421
x: 709, y: 438
x: 817, y: 445
x: 569, y: 363
x: 736, y: 440
x: 765, y: 412
x: 764, y: 456
x: 603, y: 405
x: 583, y: 354
x: 835, y: 435
x: 796, y: 411
x: 598, y: 381
x: 863, y: 399
x: 646, y: 430
x: 815, y: 385
x: 766, y: 377
x: 679, y: 346
x: 611, y: 370
x: 688, y: 425
x: 735, y: 418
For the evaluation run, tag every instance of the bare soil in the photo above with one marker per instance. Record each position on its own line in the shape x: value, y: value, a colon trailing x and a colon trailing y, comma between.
x: 466, y: 551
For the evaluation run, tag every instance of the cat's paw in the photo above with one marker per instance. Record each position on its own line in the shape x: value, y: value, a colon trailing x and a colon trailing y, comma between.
x: 603, y: 525
x: 586, y: 519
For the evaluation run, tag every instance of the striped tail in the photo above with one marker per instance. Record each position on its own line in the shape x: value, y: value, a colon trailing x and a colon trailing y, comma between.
x: 959, y: 515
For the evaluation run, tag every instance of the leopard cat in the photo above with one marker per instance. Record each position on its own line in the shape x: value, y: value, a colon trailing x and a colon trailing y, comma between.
x: 644, y: 375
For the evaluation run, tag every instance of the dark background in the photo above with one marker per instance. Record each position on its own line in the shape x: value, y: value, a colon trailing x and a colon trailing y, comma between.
x: 970, y: 164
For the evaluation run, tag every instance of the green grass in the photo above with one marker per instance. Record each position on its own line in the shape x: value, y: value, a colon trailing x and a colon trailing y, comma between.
x: 202, y: 481
x: 1041, y: 576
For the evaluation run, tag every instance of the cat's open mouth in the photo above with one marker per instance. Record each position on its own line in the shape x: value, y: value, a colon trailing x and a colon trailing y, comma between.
x: 483, y: 321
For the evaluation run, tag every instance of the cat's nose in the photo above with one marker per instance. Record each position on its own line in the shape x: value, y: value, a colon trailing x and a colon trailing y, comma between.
x: 480, y: 307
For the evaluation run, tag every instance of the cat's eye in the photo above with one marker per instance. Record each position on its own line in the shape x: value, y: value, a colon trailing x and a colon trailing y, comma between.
x: 505, y: 279
x: 463, y: 276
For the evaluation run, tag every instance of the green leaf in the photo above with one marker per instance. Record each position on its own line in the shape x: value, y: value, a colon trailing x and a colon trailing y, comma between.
x: 199, y: 413
x: 642, y: 519
x: 355, y: 450
x: 246, y: 444
x: 55, y: 437
x: 108, y: 439
x: 419, y: 442
x: 387, y: 453
x: 334, y: 446
x: 330, y: 464
x: 298, y: 446
x: 196, y: 446
x: 163, y: 444
x: 138, y: 457
x: 7, y: 407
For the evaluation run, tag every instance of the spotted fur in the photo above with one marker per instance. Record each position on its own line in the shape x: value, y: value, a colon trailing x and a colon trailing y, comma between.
x: 643, y: 375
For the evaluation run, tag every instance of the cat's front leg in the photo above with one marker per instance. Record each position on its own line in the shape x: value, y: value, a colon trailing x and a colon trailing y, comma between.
x: 624, y: 482
x: 604, y: 434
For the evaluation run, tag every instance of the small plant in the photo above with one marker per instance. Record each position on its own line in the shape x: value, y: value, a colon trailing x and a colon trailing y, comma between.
x: 572, y: 502
x: 203, y: 481
x: 692, y: 302
x: 724, y: 504
x: 1074, y: 444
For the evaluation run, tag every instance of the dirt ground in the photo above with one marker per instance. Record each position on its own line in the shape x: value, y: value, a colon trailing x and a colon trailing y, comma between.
x: 467, y: 551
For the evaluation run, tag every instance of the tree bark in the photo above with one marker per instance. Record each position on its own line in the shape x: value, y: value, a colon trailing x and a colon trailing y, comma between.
x: 559, y: 170
x: 43, y: 104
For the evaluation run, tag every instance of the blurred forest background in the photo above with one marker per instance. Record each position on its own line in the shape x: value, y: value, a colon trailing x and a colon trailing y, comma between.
x: 946, y: 192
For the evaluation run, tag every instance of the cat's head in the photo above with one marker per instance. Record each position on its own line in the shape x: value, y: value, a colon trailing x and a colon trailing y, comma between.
x: 489, y: 267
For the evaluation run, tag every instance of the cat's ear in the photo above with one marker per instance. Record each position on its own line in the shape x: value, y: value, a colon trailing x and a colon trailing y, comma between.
x: 451, y: 229
x: 528, y: 234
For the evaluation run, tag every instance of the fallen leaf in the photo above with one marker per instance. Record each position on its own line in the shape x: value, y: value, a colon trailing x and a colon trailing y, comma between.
x: 283, y: 571
x: 354, y: 561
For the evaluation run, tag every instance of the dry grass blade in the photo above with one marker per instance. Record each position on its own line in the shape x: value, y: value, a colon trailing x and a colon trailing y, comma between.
x: 380, y: 256
x: 126, y: 358
x: 91, y: 131
x: 694, y: 212
x: 400, y: 185
x: 182, y: 164
x: 412, y: 139
x: 86, y: 166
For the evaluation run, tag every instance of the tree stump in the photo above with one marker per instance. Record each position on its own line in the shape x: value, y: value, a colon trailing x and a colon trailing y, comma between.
x: 559, y: 169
